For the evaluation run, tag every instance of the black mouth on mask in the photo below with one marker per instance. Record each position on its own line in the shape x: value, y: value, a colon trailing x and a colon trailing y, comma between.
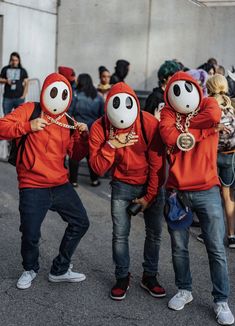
x: 187, y: 106
x: 54, y: 110
x: 122, y: 121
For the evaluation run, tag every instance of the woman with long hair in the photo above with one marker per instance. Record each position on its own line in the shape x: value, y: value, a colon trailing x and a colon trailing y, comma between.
x: 217, y: 87
x: 89, y: 106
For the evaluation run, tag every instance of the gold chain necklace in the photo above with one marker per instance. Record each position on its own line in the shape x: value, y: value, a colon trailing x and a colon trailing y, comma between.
x: 64, y: 125
x: 185, y: 141
x: 113, y: 136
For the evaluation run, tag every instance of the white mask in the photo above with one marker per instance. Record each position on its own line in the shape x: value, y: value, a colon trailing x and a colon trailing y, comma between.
x: 122, y: 110
x: 56, y: 97
x: 183, y: 96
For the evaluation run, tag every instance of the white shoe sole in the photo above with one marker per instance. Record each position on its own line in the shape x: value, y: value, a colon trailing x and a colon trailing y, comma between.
x: 54, y: 279
x: 151, y: 293
x: 23, y: 286
x: 182, y: 307
x: 119, y: 298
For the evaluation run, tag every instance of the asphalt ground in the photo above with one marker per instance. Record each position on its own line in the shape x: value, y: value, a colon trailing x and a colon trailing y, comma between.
x: 88, y: 303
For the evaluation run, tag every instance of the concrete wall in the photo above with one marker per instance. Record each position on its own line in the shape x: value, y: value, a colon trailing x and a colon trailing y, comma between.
x: 144, y: 32
x: 29, y: 27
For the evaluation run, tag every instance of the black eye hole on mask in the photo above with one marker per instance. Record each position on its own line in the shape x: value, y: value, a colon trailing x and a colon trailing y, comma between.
x: 176, y: 90
x: 64, y: 94
x: 116, y: 102
x: 188, y: 86
x: 53, y: 92
x: 129, y: 102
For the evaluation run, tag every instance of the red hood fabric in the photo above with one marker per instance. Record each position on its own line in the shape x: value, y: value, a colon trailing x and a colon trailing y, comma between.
x: 54, y: 77
x: 196, y: 169
x: 181, y: 76
x: 67, y: 72
x: 122, y: 88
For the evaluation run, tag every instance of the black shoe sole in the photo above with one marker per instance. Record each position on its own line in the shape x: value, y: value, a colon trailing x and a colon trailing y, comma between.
x: 151, y: 293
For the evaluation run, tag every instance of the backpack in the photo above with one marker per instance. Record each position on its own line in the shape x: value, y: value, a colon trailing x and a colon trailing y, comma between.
x: 15, y: 147
x: 142, y: 127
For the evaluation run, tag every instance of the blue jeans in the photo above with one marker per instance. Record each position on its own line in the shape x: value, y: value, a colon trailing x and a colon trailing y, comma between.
x: 207, y: 205
x: 34, y: 204
x: 9, y: 104
x: 122, y: 196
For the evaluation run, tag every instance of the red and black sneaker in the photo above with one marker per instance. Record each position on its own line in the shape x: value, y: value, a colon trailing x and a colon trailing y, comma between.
x: 119, y: 290
x: 150, y: 283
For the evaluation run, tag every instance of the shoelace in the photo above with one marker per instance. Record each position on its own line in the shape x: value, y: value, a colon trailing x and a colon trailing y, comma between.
x: 223, y: 307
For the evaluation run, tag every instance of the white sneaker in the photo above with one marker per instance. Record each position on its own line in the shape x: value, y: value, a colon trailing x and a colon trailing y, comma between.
x: 224, y: 315
x: 181, y: 298
x: 25, y: 281
x: 69, y: 276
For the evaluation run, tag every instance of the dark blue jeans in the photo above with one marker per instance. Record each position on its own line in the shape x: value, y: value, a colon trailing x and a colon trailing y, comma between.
x: 207, y: 205
x: 122, y: 196
x: 34, y: 205
x: 9, y: 104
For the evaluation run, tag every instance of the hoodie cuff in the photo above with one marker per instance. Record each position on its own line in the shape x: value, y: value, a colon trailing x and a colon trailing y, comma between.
x: 108, y: 150
x: 149, y: 197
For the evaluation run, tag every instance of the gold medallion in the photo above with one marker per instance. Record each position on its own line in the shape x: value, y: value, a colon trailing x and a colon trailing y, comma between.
x: 185, y: 141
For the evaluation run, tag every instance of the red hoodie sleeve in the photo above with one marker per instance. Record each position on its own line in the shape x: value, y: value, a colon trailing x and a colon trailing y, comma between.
x: 102, y: 155
x: 156, y: 160
x: 170, y: 133
x: 209, y: 115
x: 16, y: 123
x: 79, y: 146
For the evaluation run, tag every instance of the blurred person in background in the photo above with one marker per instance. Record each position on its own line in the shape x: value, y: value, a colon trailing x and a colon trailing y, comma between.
x: 218, y: 88
x: 121, y: 71
x: 89, y: 106
x: 209, y: 68
x: 231, y: 82
x: 220, y: 70
x: 155, y: 101
x: 201, y: 77
x: 214, y: 62
x: 15, y: 78
x: 70, y: 75
x: 104, y: 86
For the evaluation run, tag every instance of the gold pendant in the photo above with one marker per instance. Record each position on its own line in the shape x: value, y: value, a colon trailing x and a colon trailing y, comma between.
x: 185, y: 141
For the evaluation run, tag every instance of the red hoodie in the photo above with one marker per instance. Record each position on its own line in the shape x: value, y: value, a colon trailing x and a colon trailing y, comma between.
x: 129, y: 164
x: 42, y: 163
x: 196, y: 169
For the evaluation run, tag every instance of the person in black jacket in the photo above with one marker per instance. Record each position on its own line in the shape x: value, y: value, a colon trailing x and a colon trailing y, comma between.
x: 121, y: 71
x: 155, y: 101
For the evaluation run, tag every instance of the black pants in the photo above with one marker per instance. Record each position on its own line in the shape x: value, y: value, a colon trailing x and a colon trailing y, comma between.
x: 34, y: 204
x: 73, y: 171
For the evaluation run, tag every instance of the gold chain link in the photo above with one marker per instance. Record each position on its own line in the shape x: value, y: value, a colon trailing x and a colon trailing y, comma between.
x: 187, y: 121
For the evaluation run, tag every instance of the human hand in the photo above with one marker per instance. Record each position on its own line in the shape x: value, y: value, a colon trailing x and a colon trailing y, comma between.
x: 223, y: 128
x: 120, y: 140
x: 81, y: 127
x: 38, y: 124
x: 142, y: 202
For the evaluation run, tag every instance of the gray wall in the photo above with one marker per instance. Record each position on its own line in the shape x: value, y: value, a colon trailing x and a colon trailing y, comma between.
x: 145, y: 32
x: 29, y: 27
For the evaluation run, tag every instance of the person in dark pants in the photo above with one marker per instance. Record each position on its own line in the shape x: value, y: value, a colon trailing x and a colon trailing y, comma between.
x: 127, y: 141
x: 43, y: 178
x: 89, y: 107
x: 15, y: 78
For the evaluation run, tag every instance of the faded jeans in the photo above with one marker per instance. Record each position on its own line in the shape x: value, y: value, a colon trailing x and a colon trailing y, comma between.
x: 207, y: 205
x: 122, y: 196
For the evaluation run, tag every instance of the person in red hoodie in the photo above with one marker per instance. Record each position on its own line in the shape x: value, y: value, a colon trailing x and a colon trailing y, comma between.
x: 43, y: 178
x: 128, y: 142
x: 189, y: 127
